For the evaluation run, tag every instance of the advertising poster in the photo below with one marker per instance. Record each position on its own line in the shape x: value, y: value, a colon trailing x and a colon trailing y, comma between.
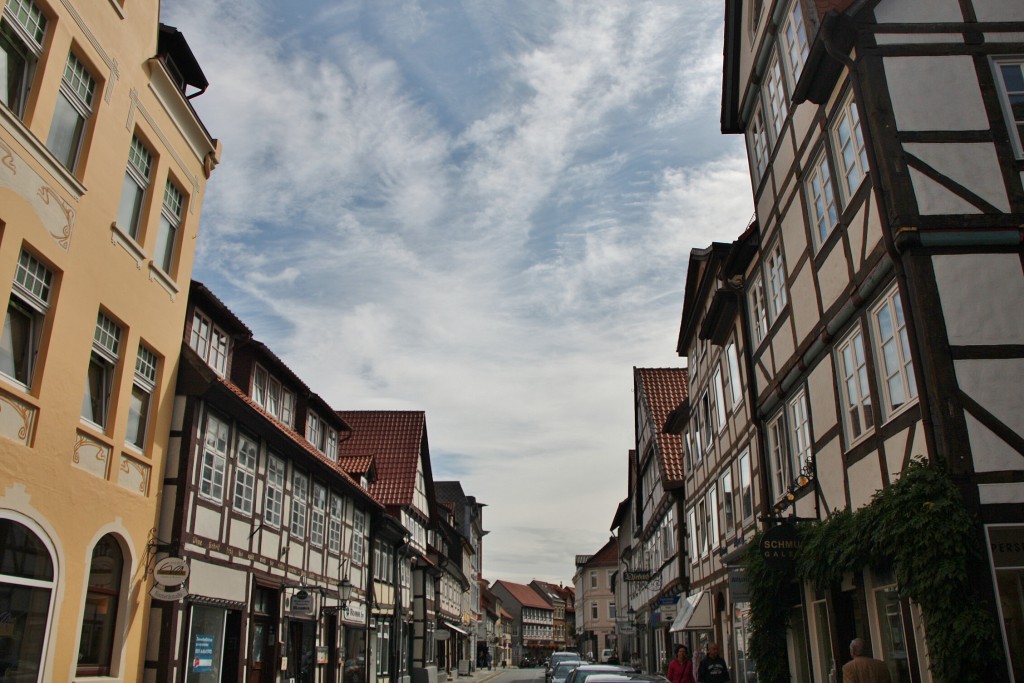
x: 202, y: 655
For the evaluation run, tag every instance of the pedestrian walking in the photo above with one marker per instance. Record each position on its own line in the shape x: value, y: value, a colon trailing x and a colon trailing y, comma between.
x: 712, y: 667
x: 864, y: 669
x: 680, y: 669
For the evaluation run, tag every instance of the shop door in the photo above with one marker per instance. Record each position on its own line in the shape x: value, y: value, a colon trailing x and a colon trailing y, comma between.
x: 262, y: 648
x: 302, y: 651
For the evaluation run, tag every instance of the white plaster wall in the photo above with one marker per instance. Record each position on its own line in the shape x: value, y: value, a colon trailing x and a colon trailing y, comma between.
x: 917, y: 38
x: 821, y: 398
x: 207, y: 523
x: 803, y: 302
x: 990, y: 310
x: 214, y: 581
x: 834, y: 276
x: 782, y: 343
x: 999, y: 10
x: 238, y: 533
x: 829, y: 462
x: 972, y: 165
x: 994, y: 494
x: 865, y: 478
x: 922, y: 87
x: 991, y: 454
x: 996, y: 385
x: 899, y: 11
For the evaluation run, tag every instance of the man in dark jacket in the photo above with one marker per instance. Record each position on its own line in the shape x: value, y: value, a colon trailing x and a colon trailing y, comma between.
x: 712, y: 668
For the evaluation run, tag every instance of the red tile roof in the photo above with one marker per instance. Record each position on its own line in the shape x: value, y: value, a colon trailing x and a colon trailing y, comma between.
x: 395, y: 440
x: 356, y: 464
x: 662, y: 390
x: 524, y: 595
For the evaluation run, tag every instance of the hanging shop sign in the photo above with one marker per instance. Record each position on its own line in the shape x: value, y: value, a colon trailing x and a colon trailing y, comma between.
x: 637, y: 575
x: 169, y: 576
x: 779, y: 546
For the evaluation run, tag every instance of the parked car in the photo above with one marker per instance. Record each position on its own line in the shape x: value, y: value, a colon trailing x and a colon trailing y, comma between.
x: 557, y: 658
x: 563, y: 670
x: 584, y: 672
x: 626, y: 678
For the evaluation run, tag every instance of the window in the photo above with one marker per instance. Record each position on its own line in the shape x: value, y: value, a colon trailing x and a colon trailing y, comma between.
x: 707, y: 413
x: 593, y: 610
x: 313, y: 429
x: 215, y: 453
x: 245, y: 474
x: 776, y: 280
x: 101, y: 607
x: 746, y: 491
x: 719, y: 396
x: 727, y: 505
x: 322, y: 436
x: 318, y: 515
x: 358, y: 531
x: 894, y: 351
x: 778, y: 456
x: 757, y: 143
x: 593, y: 578
x: 138, y: 404
x: 170, y: 221
x: 702, y: 527
x: 758, y: 311
x: 850, y: 150
x: 775, y: 98
x: 821, y: 202
x: 712, y: 522
x: 698, y: 446
x: 274, y: 503
x: 22, y: 28
x: 26, y: 581
x: 300, y: 496
x: 334, y: 525
x: 794, y: 41
x: 26, y: 312
x: 800, y: 434
x: 1010, y: 83
x: 735, y: 379
x: 611, y: 611
x: 105, y: 347
x: 210, y: 342
x: 852, y: 369
x: 74, y: 107
x: 133, y: 192
x: 287, y: 407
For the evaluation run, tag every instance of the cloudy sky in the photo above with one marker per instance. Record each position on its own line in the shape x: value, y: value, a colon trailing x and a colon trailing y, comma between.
x: 482, y: 209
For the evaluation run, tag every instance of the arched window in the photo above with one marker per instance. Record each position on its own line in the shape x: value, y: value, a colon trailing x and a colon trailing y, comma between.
x: 100, y: 614
x: 26, y: 591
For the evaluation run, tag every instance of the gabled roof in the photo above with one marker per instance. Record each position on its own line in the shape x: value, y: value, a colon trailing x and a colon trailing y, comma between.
x: 356, y: 465
x: 524, y: 595
x: 661, y: 390
x: 396, y: 440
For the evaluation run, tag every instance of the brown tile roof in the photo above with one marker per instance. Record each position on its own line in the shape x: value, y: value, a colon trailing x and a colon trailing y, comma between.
x: 524, y: 595
x: 662, y: 390
x: 396, y: 440
x: 356, y: 464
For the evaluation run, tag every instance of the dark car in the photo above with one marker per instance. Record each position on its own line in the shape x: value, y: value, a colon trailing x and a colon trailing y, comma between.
x: 559, y: 657
x: 563, y: 669
x: 584, y: 672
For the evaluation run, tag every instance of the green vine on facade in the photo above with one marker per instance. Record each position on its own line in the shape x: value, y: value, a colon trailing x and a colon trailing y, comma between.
x: 920, y: 529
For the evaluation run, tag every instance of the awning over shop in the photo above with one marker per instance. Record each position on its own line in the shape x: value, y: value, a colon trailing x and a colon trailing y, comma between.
x: 455, y: 628
x: 695, y: 615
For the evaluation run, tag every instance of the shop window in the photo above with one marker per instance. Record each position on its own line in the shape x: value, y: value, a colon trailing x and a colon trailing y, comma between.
x: 891, y: 628
x: 205, y: 644
x: 102, y: 600
x: 26, y: 313
x: 22, y: 28
x: 74, y: 108
x: 26, y: 581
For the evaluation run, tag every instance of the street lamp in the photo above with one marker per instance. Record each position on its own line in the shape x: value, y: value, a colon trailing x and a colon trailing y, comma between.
x: 344, y: 592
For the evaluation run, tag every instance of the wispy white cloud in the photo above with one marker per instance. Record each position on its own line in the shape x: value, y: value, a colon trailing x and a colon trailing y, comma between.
x: 481, y: 210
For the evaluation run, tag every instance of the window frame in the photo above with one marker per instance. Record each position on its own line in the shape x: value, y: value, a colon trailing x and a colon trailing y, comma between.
x: 746, y: 487
x: 758, y: 144
x: 735, y: 375
x: 273, y: 496
x: 71, y: 101
x: 823, y: 210
x: 773, y: 91
x: 891, y: 301
x: 143, y: 387
x: 757, y: 301
x: 31, y: 293
x: 32, y: 36
x: 172, y: 210
x: 854, y: 379
x: 111, y: 600
x: 243, y: 497
x: 775, y: 267
x: 1015, y: 127
x: 103, y: 360
x: 297, y: 524
x: 798, y: 415
x: 213, y: 459
x: 318, y: 515
x: 848, y: 114
x: 136, y: 179
x: 794, y: 41
x: 779, y: 460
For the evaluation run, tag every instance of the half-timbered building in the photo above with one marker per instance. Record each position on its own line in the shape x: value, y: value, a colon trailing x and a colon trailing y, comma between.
x: 274, y: 534
x: 721, y: 450
x: 884, y: 143
x: 657, y: 579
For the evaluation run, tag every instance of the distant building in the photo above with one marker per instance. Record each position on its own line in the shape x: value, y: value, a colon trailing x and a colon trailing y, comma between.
x: 103, y: 168
x: 598, y: 613
x: 533, y: 618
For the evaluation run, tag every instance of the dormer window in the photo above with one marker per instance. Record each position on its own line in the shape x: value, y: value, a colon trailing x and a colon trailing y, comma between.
x: 210, y: 342
x: 273, y: 396
x: 323, y: 437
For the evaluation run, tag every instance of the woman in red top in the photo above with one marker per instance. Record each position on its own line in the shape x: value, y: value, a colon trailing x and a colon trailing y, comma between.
x: 680, y: 669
